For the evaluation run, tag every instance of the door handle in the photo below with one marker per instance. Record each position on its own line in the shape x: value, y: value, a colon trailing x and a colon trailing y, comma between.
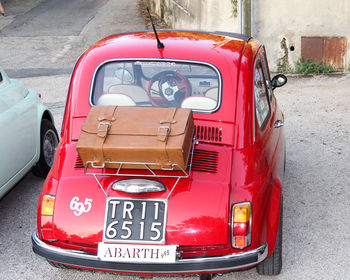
x: 278, y: 124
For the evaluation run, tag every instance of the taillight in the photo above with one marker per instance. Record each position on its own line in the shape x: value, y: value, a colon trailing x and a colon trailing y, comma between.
x: 47, y: 205
x: 241, y: 225
x: 46, y: 217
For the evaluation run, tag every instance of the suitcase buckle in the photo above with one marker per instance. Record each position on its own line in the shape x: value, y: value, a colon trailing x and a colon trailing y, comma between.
x: 103, y: 123
x: 103, y: 128
x: 163, y: 132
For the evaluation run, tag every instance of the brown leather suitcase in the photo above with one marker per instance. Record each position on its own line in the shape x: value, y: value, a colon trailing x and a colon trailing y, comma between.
x: 159, y: 137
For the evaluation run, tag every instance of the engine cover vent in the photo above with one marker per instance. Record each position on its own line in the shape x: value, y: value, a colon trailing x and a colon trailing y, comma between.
x: 208, y: 133
x: 203, y: 160
x: 78, y: 163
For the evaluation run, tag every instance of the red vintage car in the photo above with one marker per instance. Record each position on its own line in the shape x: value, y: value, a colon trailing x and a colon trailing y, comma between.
x: 223, y: 213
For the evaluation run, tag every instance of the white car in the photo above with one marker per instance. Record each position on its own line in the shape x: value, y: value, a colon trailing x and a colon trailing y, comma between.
x: 28, y: 138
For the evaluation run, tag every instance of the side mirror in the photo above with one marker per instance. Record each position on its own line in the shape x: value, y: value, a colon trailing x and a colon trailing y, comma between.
x: 278, y: 81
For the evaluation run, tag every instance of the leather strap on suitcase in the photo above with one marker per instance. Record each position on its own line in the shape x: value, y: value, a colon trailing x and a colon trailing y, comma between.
x: 163, y: 133
x: 103, y: 127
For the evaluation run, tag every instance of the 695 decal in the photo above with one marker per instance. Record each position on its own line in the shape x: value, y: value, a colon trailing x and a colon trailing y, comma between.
x: 80, y: 207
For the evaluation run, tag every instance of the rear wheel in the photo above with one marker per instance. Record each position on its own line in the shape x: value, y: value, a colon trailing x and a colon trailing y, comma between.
x: 48, y: 144
x: 205, y: 277
x: 273, y: 264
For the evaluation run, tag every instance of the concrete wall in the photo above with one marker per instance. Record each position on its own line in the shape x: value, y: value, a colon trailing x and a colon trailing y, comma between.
x: 279, y: 25
x: 196, y: 14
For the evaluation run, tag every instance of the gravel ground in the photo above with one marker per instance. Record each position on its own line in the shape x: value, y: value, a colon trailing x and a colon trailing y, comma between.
x: 316, y: 190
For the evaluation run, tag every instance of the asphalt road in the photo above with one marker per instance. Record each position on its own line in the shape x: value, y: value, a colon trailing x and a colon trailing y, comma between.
x: 316, y: 235
x: 46, y: 37
x: 70, y: 17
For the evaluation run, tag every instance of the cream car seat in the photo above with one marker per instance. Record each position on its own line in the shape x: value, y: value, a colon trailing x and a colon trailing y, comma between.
x: 199, y: 103
x: 212, y: 93
x: 138, y: 94
x: 116, y: 99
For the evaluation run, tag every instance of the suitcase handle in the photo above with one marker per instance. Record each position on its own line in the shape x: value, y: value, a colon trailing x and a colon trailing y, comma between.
x: 170, y: 122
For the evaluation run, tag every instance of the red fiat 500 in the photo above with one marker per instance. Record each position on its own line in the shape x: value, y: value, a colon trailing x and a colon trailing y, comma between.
x: 223, y: 213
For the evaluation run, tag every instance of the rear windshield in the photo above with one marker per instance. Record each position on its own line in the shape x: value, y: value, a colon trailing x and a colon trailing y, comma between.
x: 157, y: 84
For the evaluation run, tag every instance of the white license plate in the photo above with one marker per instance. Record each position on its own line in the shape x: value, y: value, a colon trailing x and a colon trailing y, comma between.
x: 131, y: 253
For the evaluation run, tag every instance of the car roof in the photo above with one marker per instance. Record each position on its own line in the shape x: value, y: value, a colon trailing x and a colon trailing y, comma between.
x: 178, y: 44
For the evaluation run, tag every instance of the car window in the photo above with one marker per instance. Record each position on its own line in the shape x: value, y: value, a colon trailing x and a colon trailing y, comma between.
x: 262, y: 106
x: 1, y: 77
x: 158, y: 84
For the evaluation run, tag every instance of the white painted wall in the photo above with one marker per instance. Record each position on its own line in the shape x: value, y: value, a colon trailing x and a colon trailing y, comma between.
x: 273, y: 21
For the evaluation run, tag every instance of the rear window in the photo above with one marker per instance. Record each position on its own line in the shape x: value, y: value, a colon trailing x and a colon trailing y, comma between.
x: 157, y: 84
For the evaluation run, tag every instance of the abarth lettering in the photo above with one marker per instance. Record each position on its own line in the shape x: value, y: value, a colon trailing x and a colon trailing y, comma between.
x: 135, y: 253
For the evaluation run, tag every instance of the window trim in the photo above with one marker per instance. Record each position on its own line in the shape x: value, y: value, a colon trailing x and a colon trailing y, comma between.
x: 264, y: 123
x: 267, y: 71
x: 220, y: 83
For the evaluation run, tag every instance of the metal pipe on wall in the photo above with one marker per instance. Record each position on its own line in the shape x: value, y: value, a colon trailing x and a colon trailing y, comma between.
x: 252, y: 18
x: 240, y: 17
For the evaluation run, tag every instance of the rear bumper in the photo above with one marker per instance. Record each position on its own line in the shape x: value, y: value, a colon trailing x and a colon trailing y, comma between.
x: 194, y: 265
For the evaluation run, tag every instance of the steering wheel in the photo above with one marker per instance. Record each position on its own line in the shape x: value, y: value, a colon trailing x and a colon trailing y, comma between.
x: 171, y: 89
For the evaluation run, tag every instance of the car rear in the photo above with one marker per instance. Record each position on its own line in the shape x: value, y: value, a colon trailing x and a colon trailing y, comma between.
x: 92, y: 219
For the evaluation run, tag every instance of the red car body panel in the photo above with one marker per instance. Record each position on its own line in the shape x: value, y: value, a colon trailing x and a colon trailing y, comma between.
x: 249, y: 166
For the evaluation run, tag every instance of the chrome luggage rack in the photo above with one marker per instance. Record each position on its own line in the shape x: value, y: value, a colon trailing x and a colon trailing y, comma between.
x: 146, y: 172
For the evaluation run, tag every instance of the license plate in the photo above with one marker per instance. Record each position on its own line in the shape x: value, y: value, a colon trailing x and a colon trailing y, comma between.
x: 137, y: 253
x: 135, y: 220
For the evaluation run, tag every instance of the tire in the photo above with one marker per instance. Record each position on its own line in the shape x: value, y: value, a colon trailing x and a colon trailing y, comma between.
x: 58, y: 265
x: 48, y: 144
x: 205, y: 277
x: 273, y: 264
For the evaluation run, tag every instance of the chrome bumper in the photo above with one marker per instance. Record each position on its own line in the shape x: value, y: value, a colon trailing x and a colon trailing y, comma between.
x: 193, y: 265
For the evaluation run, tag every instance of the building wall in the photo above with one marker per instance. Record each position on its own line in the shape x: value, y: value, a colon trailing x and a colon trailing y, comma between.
x: 196, y: 14
x: 279, y: 25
